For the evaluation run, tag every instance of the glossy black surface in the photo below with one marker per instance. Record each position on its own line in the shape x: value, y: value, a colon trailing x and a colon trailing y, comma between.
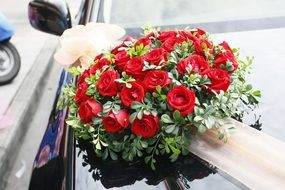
x: 188, y: 172
x: 53, y: 163
x: 111, y: 174
x: 51, y: 16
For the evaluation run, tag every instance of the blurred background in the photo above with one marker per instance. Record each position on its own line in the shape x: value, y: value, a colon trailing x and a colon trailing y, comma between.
x: 257, y: 27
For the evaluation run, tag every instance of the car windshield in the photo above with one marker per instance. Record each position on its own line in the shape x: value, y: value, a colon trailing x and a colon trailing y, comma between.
x: 135, y: 13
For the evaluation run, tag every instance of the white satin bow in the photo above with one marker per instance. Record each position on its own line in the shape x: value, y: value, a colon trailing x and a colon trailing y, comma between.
x: 83, y: 43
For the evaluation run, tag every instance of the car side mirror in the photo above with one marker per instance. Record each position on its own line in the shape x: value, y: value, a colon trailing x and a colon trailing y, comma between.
x: 51, y: 16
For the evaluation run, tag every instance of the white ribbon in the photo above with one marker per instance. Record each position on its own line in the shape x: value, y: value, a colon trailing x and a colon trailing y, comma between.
x: 83, y: 43
x: 251, y: 156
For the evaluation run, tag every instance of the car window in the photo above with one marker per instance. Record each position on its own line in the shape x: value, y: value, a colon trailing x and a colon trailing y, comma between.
x: 242, y: 14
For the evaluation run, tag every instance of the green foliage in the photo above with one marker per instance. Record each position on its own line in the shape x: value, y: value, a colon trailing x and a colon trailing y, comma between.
x: 138, y: 50
x: 75, y: 71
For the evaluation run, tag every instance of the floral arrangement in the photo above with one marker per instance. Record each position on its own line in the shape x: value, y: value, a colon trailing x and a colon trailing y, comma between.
x: 150, y: 96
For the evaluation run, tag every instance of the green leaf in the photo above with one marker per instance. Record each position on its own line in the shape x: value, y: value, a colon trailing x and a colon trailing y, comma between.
x: 113, y: 155
x: 140, y: 114
x: 75, y: 71
x: 248, y: 87
x: 166, y: 119
x: 152, y: 164
x: 136, y: 105
x: 256, y: 93
x: 175, y: 150
x: 173, y: 157
x: 95, y: 141
x: 146, y: 112
x: 133, y: 117
x: 209, y: 122
x: 128, y: 85
x: 144, y: 144
x: 98, y: 146
x: 201, y: 128
x: 158, y: 89
x: 139, y: 153
x: 170, y: 128
x: 103, y: 143
x: 176, y: 130
x: 147, y: 159
x: 105, y: 154
x: 176, y: 115
x: 70, y: 122
x: 198, y: 118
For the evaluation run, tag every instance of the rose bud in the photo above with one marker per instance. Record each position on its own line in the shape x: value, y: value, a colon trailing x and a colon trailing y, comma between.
x: 106, y: 85
x: 83, y: 76
x: 182, y: 99
x: 220, y: 80
x: 80, y: 95
x: 115, y: 123
x: 89, y: 109
x: 156, y: 78
x: 145, y: 127
x: 129, y: 95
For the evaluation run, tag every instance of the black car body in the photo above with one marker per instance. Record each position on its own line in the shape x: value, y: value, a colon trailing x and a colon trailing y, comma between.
x: 65, y: 163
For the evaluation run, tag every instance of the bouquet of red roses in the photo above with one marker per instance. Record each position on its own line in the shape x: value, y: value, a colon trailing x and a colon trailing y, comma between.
x: 149, y: 96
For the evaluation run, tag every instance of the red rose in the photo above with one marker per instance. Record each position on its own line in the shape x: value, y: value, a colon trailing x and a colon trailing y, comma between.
x: 83, y: 76
x: 134, y: 67
x: 156, y: 56
x: 80, y: 95
x: 119, y: 48
x: 98, y: 57
x: 145, y: 41
x: 89, y: 109
x: 156, y: 78
x: 106, y: 85
x: 169, y: 44
x: 220, y: 80
x: 198, y: 63
x: 121, y: 59
x: 223, y: 57
x: 145, y: 127
x: 187, y: 36
x: 200, y: 45
x: 164, y: 35
x: 182, y: 99
x: 116, y: 122
x: 135, y: 93
x: 99, y: 65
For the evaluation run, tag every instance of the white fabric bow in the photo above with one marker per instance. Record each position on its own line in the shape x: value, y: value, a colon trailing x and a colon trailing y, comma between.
x: 83, y: 43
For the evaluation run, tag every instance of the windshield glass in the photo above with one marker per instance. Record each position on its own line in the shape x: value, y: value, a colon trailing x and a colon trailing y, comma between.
x: 134, y: 13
